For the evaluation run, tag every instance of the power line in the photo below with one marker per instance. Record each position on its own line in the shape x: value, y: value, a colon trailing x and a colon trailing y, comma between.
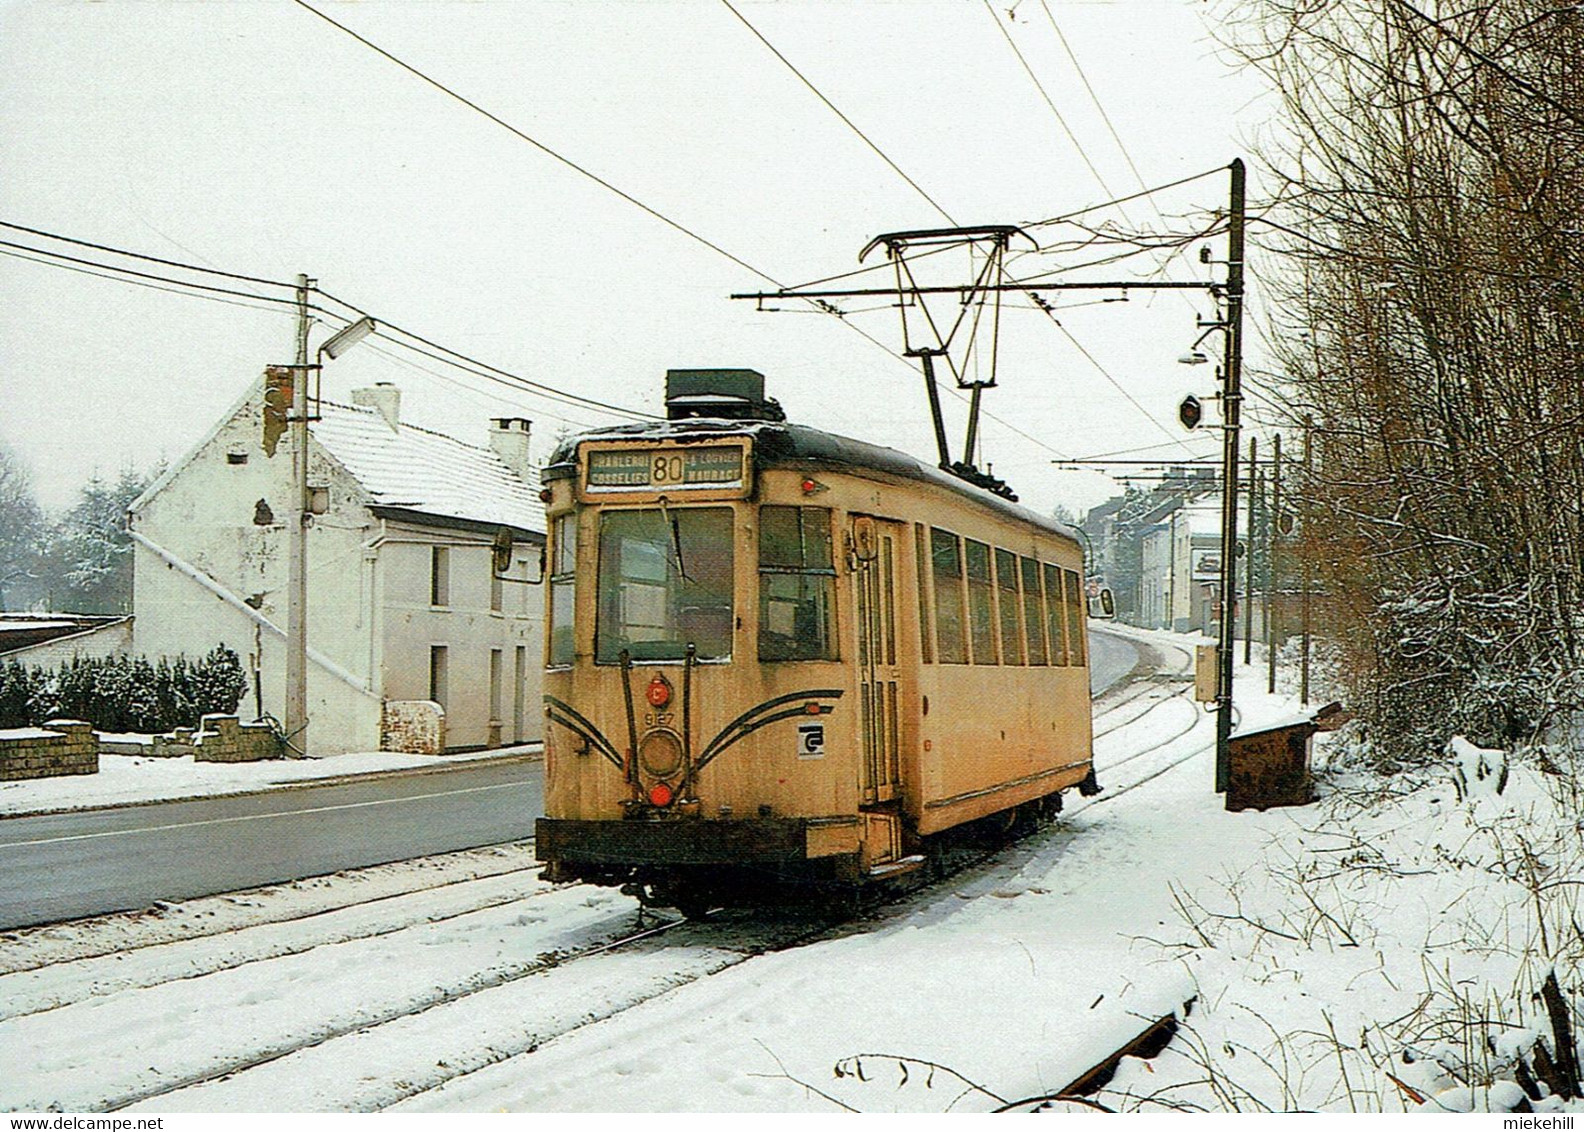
x: 567, y: 161
x: 608, y: 186
x: 145, y: 275
x: 1072, y: 137
x: 145, y: 258
x: 495, y: 372
x: 44, y: 262
x: 831, y: 106
x: 119, y: 274
x: 1095, y: 98
x: 481, y: 396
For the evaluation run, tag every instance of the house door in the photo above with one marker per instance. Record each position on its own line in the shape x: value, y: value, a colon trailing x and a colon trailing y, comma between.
x: 882, y: 693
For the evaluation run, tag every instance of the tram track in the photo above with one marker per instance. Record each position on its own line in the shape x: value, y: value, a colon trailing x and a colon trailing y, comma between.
x: 537, y: 1016
x: 36, y: 990
x: 492, y: 981
x: 472, y: 1017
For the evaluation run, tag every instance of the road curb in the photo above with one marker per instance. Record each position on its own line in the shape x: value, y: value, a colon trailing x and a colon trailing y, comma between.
x: 282, y: 787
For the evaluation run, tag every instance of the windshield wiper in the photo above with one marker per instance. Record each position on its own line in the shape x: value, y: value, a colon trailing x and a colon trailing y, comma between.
x: 676, y: 538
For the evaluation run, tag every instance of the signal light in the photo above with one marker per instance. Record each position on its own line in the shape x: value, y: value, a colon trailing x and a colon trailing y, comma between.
x: 1190, y: 412
x: 660, y: 794
x: 659, y: 692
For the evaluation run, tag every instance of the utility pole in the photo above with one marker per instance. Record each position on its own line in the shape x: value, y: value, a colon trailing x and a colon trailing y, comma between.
x: 1248, y: 546
x: 1306, y: 549
x: 1231, y: 401
x: 1272, y: 591
x: 296, y: 714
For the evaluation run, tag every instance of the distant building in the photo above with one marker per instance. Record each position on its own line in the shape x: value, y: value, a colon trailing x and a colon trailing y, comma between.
x: 404, y: 606
x: 44, y: 640
x: 1180, y: 568
x: 1149, y: 546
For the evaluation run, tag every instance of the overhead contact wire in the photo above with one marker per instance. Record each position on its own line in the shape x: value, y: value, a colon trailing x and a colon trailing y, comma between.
x: 537, y: 144
x: 846, y: 121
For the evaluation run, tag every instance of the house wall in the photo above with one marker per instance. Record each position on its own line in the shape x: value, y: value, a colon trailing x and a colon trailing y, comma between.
x: 370, y: 626
x: 206, y: 520
x: 468, y: 629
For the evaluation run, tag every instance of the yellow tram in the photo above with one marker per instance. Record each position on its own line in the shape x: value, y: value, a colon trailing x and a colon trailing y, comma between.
x: 778, y: 655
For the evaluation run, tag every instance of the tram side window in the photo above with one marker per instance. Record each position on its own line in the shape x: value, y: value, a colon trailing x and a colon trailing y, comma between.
x: 981, y: 602
x: 1077, y: 604
x: 797, y: 584
x: 665, y: 581
x: 946, y: 565
x: 1033, y: 611
x: 563, y: 566
x: 926, y: 633
x: 1056, y: 614
x: 1010, y: 606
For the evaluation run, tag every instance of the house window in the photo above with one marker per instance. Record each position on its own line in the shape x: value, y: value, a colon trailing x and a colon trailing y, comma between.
x: 981, y: 602
x: 797, y: 584
x: 438, y: 663
x: 520, y: 694
x: 946, y: 566
x: 236, y: 457
x: 496, y: 586
x: 496, y: 672
x: 1010, y: 607
x: 563, y: 561
x: 439, y: 576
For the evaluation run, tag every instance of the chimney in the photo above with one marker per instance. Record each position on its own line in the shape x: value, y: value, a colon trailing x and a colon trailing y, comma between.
x: 508, y: 438
x: 385, y: 397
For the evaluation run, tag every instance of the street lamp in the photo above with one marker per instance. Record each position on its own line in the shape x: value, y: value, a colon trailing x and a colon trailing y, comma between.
x: 295, y: 716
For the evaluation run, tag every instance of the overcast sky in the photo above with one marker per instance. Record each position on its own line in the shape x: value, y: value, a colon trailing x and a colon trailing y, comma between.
x: 253, y: 137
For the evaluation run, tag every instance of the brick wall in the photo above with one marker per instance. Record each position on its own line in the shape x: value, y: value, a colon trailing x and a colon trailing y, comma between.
x: 223, y: 739
x: 414, y: 727
x: 61, y: 746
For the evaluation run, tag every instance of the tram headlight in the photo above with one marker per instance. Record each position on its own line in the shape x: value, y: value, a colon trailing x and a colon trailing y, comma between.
x: 660, y: 753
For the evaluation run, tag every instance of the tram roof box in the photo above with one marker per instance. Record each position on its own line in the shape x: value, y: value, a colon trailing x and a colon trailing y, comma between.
x: 720, y: 394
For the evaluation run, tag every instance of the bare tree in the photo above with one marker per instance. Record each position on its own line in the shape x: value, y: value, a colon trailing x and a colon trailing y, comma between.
x: 1429, y: 222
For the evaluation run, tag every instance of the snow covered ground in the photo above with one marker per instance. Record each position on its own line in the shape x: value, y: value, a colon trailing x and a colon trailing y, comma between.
x: 1385, y: 933
x: 130, y: 779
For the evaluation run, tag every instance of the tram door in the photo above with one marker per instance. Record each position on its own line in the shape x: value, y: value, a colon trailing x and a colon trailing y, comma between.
x: 873, y: 547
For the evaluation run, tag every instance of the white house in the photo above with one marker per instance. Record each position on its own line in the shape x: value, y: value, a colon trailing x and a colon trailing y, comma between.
x: 405, y: 608
x: 1180, y: 568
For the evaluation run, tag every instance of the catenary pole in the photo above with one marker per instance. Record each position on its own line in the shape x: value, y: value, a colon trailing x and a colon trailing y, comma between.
x: 1272, y: 590
x: 1248, y: 568
x: 1231, y: 400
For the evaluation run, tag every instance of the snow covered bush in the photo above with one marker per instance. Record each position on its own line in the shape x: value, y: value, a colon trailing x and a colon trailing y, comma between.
x: 122, y: 693
x: 1417, y: 948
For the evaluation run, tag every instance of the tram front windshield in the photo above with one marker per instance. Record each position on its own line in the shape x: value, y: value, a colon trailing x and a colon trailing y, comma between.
x: 665, y: 582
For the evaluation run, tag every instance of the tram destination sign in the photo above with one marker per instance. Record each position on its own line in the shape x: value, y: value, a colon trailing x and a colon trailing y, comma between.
x: 663, y: 468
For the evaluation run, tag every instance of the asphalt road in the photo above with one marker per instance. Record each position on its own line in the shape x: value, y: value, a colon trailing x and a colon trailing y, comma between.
x: 64, y: 866
x: 1110, y: 659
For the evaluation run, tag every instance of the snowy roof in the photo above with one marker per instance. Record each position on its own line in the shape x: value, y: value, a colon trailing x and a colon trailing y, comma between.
x: 1203, y: 520
x: 413, y: 469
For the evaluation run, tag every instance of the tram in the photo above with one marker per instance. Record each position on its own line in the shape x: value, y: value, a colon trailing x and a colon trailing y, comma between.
x: 776, y: 656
